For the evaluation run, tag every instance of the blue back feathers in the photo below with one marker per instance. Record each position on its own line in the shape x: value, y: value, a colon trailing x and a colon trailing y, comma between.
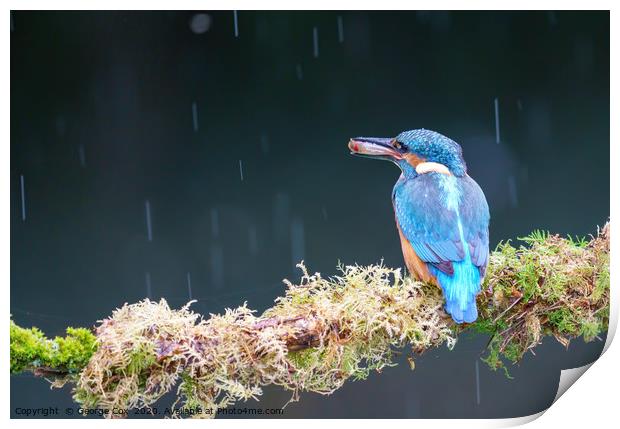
x: 445, y: 218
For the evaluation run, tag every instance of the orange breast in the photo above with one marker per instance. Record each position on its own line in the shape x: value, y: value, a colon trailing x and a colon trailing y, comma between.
x: 417, y: 268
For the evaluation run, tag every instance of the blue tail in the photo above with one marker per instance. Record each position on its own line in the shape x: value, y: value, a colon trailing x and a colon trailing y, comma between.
x: 460, y: 290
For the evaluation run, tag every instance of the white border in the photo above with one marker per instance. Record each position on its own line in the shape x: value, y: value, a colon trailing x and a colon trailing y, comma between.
x: 591, y: 402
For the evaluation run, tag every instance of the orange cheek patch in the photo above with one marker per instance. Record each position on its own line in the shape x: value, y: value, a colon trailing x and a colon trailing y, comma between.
x: 413, y: 159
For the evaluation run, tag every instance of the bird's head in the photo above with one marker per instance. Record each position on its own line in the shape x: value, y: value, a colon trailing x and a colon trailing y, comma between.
x: 415, y: 152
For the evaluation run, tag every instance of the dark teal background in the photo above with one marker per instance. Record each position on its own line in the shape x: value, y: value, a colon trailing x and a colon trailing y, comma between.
x: 116, y: 88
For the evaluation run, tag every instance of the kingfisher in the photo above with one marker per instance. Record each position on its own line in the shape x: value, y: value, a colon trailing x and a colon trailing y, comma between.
x: 442, y: 215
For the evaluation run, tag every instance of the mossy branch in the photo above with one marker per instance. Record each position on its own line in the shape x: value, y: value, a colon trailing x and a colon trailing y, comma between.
x: 322, y: 332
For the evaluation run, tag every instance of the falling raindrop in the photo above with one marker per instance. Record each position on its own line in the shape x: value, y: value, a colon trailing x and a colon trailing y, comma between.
x: 215, y: 223
x: 195, y: 116
x: 496, y: 120
x: 512, y: 190
x: 147, y: 210
x: 252, y: 240
x: 315, y: 41
x: 82, y: 155
x: 189, y: 286
x: 477, y: 383
x: 200, y: 23
x: 217, y: 266
x: 519, y: 104
x: 324, y: 211
x: 147, y: 279
x: 23, y: 193
x: 241, y: 170
x: 299, y: 72
x: 340, y: 30
x: 553, y: 19
x: 298, y: 244
x: 236, y: 23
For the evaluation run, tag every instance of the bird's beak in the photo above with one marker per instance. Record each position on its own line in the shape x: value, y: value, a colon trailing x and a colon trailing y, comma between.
x: 374, y: 147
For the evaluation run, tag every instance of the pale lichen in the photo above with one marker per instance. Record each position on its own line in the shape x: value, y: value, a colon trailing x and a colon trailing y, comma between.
x: 342, y: 327
x: 325, y: 331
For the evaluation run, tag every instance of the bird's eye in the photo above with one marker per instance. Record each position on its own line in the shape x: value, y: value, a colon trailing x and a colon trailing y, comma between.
x: 398, y: 145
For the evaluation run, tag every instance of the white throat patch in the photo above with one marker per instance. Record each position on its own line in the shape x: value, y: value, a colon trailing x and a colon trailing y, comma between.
x: 427, y: 167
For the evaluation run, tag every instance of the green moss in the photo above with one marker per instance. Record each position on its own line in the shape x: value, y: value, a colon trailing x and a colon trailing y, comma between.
x: 535, y: 237
x: 188, y: 389
x: 590, y: 329
x: 30, y: 348
x: 484, y: 326
x: 527, y: 279
x: 505, y: 248
x: 548, y: 286
x: 601, y: 283
x: 488, y: 326
x: 305, y: 359
x: 349, y: 364
x: 513, y: 352
x: 141, y: 358
x: 563, y: 320
x: 578, y: 241
x: 493, y: 358
x: 73, y: 351
x: 85, y: 398
x: 555, y: 286
x: 27, y: 347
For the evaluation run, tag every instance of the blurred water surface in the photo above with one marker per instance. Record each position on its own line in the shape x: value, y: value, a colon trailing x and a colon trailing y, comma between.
x: 172, y: 154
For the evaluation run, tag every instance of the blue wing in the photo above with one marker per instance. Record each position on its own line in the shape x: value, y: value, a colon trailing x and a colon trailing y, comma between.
x: 474, y: 213
x: 445, y: 219
x: 433, y: 230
